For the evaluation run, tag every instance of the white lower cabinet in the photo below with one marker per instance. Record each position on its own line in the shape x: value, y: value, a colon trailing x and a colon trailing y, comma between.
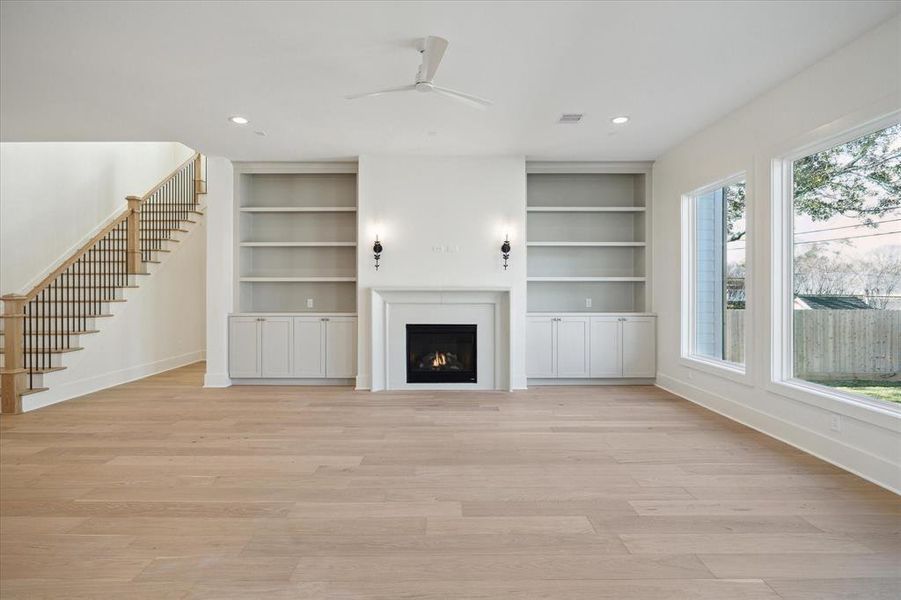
x: 606, y: 355
x: 244, y: 347
x: 572, y: 346
x: 341, y: 347
x: 311, y: 347
x: 557, y: 346
x: 275, y: 346
x: 639, y: 347
x: 603, y: 346
x: 541, y: 347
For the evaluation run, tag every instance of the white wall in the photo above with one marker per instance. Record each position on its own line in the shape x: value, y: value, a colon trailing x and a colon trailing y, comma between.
x: 55, y: 195
x: 441, y: 221
x: 857, y: 84
x: 220, y: 268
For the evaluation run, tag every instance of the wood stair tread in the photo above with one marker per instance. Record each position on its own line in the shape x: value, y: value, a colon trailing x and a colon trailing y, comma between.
x: 81, y: 301
x: 72, y: 316
x: 46, y: 370
x: 94, y: 287
x: 34, y: 390
x: 48, y: 350
x: 61, y: 333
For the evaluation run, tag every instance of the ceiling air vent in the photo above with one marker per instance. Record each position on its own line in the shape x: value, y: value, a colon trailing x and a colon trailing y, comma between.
x: 570, y: 117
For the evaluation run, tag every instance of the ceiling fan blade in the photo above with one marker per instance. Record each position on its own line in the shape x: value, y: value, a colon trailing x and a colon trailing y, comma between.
x: 403, y: 88
x: 474, y: 100
x: 432, y: 52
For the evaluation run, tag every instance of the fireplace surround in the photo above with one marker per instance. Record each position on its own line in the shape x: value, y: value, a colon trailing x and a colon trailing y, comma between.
x: 393, y: 308
x: 442, y: 353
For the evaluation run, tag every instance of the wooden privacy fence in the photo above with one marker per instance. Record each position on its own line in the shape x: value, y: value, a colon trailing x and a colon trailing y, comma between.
x: 835, y: 344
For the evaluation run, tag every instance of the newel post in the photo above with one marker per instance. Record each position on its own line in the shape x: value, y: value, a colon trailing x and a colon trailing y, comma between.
x: 199, y: 175
x: 13, y: 375
x: 133, y: 236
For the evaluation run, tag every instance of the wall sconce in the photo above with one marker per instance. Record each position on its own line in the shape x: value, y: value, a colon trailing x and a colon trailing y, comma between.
x: 505, y: 250
x: 377, y: 252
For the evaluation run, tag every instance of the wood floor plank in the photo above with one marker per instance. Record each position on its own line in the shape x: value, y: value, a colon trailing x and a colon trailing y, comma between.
x: 523, y: 589
x: 741, y: 543
x: 802, y: 566
x: 163, y: 489
x: 837, y: 589
x: 466, y: 567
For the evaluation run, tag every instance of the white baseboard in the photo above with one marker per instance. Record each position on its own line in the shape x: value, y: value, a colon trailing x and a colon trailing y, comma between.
x: 540, y: 381
x: 299, y: 382
x: 364, y: 383
x: 216, y: 380
x: 866, y: 465
x: 74, y: 389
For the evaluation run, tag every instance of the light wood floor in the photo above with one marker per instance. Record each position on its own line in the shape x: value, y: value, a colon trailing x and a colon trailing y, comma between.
x: 160, y: 489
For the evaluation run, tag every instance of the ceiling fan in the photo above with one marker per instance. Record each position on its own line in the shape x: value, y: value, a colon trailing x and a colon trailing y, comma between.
x: 432, y: 51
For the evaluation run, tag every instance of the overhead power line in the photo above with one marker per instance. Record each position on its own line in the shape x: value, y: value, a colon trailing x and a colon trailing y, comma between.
x: 847, y: 226
x: 850, y: 237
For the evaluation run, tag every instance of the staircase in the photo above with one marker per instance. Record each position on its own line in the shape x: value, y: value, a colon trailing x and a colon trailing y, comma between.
x: 40, y: 327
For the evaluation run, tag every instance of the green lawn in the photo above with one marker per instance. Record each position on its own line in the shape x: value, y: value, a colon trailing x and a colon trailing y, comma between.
x: 889, y: 391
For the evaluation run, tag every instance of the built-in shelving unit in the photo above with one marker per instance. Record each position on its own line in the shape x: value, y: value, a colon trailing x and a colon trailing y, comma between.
x: 296, y: 235
x: 587, y: 238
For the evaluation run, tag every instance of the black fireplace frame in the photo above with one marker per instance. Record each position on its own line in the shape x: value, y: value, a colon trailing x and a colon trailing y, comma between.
x: 439, y: 377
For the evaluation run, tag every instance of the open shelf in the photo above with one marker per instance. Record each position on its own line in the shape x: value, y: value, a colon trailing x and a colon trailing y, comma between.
x: 297, y: 279
x: 587, y: 244
x: 574, y: 279
x: 584, y: 209
x: 294, y: 296
x: 298, y: 227
x: 298, y: 244
x: 571, y: 296
x: 585, y: 227
x: 301, y: 209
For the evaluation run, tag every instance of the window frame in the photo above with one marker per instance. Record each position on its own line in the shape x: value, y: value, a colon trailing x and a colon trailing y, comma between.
x: 738, y: 372
x: 782, y: 380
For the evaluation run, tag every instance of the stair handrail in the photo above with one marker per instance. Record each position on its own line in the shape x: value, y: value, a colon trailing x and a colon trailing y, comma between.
x: 36, y: 289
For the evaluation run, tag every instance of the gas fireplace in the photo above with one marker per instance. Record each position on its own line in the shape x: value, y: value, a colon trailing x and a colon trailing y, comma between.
x: 441, y: 353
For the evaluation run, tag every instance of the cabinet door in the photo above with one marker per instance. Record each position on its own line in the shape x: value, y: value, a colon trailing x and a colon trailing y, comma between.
x: 639, y: 347
x: 309, y: 347
x: 244, y: 347
x: 572, y: 346
x: 276, y: 346
x: 606, y: 351
x: 341, y: 347
x: 541, y: 343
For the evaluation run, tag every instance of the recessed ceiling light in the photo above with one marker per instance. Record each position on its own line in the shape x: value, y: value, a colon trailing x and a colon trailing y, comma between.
x: 238, y: 120
x: 620, y: 120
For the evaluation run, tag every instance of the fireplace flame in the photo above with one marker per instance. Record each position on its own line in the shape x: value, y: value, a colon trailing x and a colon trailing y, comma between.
x: 440, y: 360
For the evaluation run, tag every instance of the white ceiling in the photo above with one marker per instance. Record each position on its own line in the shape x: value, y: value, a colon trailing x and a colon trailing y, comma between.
x: 175, y: 71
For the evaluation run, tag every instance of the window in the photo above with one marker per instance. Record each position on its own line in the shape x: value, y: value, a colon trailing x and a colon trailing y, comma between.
x: 846, y: 266
x: 715, y: 231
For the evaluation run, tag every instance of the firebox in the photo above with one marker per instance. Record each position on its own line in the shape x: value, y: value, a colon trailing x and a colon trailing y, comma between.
x: 441, y: 353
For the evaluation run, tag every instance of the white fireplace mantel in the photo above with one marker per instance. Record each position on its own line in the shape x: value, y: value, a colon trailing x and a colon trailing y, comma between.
x: 394, y: 307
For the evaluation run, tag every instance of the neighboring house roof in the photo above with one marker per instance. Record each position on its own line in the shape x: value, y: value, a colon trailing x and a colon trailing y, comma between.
x: 830, y: 302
